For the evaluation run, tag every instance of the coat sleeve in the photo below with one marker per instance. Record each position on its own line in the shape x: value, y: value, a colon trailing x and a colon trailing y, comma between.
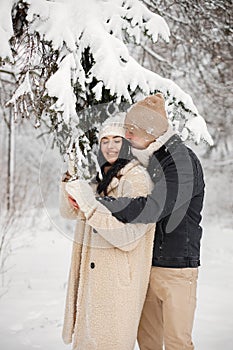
x: 146, y: 209
x: 174, y: 188
x: 120, y: 235
x: 66, y: 209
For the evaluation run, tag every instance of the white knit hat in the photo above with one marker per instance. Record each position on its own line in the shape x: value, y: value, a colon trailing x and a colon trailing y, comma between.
x: 113, y: 126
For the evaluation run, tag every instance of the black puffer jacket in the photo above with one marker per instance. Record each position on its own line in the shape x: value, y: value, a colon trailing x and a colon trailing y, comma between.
x: 175, y: 205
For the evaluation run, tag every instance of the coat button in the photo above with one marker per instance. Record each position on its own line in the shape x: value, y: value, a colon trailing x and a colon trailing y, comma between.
x: 94, y: 230
x: 92, y: 265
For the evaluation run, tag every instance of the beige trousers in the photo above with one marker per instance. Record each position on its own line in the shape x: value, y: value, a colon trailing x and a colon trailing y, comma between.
x: 168, y: 312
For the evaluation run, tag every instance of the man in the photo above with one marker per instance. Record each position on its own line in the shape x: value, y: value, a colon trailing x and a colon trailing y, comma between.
x: 175, y: 205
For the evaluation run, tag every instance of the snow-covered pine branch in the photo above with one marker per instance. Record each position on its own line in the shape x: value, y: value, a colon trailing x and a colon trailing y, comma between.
x: 67, y: 30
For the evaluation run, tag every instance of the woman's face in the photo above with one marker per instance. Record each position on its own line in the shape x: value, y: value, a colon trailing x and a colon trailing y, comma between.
x: 110, y: 147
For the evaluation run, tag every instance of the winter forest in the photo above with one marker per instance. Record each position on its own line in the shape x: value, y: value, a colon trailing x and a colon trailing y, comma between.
x: 64, y: 66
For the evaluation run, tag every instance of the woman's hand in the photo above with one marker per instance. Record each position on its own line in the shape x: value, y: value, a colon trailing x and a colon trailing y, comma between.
x: 73, y: 202
x: 83, y: 194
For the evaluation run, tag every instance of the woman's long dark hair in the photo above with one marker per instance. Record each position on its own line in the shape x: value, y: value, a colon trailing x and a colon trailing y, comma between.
x: 125, y: 156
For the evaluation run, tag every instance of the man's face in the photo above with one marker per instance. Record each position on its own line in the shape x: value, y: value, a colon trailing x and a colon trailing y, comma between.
x: 138, y: 137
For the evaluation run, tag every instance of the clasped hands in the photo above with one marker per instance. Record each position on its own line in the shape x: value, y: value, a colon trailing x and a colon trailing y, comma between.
x: 73, y: 202
x: 81, y: 196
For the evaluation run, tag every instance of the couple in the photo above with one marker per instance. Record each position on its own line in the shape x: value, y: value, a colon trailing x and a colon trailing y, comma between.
x: 114, y: 295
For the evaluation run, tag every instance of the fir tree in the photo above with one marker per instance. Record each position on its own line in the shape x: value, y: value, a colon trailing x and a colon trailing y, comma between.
x: 70, y: 56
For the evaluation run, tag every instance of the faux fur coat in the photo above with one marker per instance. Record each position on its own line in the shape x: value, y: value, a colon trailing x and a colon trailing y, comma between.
x: 110, y: 268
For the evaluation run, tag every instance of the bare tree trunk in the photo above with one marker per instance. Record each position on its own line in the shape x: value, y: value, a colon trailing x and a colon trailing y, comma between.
x: 7, y: 210
x: 10, y: 163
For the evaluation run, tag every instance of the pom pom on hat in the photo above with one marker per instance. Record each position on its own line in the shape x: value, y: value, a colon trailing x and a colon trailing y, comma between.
x: 150, y: 115
x: 113, y: 126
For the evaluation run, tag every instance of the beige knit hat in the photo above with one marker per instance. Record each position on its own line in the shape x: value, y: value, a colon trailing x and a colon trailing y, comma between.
x: 113, y: 126
x: 149, y: 115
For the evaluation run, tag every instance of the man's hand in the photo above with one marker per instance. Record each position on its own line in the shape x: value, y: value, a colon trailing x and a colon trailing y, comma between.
x: 73, y: 202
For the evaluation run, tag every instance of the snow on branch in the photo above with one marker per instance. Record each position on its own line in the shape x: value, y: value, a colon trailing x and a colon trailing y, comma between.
x: 65, y: 95
x: 23, y: 89
x: 148, y: 22
x: 70, y: 28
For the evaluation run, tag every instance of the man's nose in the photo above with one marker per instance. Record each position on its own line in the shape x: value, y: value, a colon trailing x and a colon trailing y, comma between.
x: 127, y: 135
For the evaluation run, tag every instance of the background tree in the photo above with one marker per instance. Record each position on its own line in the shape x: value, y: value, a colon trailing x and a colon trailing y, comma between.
x: 67, y: 57
x: 199, y: 58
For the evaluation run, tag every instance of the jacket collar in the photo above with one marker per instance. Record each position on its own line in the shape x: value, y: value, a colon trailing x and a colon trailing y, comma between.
x: 115, y: 181
x: 128, y: 167
x: 172, y: 143
x: 169, y: 147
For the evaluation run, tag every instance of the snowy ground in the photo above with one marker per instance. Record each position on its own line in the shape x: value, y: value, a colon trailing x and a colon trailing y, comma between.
x: 32, y: 309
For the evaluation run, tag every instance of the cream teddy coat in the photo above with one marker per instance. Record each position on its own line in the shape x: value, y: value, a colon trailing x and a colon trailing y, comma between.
x: 110, y: 269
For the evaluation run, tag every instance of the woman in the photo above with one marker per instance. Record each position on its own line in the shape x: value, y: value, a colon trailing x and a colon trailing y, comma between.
x: 111, y: 261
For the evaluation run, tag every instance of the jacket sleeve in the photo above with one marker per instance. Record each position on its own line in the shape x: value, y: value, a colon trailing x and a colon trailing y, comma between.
x: 120, y: 235
x: 175, y: 184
